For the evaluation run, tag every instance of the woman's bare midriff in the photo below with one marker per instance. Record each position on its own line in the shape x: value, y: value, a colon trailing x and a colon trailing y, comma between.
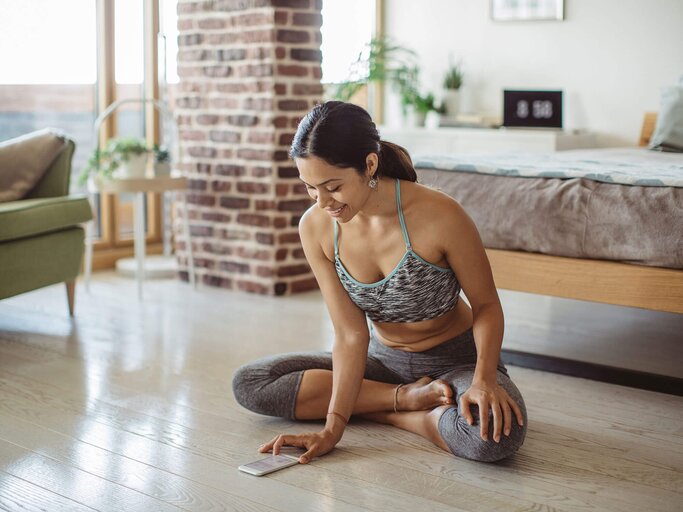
x: 421, y: 336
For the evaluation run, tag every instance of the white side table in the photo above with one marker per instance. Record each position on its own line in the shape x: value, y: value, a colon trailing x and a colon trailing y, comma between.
x: 138, y: 186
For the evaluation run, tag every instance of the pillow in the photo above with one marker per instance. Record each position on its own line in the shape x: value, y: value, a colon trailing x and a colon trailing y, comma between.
x: 668, y: 135
x: 24, y: 160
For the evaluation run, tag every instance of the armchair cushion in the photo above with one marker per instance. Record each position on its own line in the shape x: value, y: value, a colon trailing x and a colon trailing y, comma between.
x: 37, y: 261
x: 29, y: 217
x: 24, y: 160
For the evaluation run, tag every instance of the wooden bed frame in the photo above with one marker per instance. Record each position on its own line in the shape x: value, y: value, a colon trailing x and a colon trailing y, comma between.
x: 622, y: 284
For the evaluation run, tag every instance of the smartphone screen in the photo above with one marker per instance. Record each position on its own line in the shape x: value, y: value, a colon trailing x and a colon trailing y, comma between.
x: 269, y: 464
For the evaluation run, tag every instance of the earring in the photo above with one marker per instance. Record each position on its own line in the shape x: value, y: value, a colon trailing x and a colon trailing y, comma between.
x: 372, y: 183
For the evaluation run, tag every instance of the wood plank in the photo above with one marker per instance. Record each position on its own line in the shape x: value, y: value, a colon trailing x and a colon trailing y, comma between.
x: 165, y: 486
x: 18, y: 494
x: 139, y: 439
x: 649, y: 124
x: 593, y: 280
x: 72, y: 483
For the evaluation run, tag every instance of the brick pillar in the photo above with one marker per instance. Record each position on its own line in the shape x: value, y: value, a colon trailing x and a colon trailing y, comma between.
x: 249, y: 71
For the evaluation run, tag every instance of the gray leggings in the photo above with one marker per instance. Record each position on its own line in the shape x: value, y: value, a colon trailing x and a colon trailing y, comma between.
x: 270, y: 386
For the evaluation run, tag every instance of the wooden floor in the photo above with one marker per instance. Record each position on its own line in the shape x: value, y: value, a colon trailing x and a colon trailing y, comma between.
x: 129, y: 407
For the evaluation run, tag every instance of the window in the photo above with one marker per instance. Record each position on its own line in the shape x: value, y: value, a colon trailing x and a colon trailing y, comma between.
x: 168, y: 46
x: 49, y: 79
x: 348, y: 26
x: 129, y: 74
x: 69, y: 60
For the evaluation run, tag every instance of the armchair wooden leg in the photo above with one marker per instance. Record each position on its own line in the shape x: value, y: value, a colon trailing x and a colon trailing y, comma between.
x: 70, y: 293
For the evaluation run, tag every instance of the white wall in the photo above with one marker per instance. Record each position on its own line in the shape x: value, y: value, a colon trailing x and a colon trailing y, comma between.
x: 610, y: 57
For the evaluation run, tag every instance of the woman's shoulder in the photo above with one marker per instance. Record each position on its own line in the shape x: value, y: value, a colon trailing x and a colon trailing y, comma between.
x: 315, y: 227
x: 312, y: 220
x: 438, y: 217
x: 425, y: 201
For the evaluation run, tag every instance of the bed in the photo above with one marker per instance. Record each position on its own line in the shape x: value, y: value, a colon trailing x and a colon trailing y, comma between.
x: 603, y: 225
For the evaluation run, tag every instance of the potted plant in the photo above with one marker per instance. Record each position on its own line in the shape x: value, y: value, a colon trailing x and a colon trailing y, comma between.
x: 124, y: 157
x: 381, y: 60
x: 132, y: 154
x: 422, y: 105
x: 451, y: 96
x: 162, y: 160
x: 385, y: 61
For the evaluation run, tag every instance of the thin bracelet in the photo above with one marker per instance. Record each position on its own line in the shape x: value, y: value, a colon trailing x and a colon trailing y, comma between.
x: 340, y: 416
x: 396, y: 397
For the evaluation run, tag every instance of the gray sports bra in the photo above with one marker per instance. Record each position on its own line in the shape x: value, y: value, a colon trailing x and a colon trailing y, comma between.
x: 415, y: 290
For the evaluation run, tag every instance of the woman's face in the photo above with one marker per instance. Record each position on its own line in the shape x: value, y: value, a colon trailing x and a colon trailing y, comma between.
x: 340, y: 192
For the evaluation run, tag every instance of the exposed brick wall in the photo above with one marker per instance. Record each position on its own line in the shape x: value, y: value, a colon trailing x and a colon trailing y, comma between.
x: 249, y: 70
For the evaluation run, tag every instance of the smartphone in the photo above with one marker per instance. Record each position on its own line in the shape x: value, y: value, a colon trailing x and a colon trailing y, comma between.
x: 269, y: 464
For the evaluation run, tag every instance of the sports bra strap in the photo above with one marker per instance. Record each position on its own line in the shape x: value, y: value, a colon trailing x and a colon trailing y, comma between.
x: 400, y: 215
x: 400, y: 218
x: 336, y: 246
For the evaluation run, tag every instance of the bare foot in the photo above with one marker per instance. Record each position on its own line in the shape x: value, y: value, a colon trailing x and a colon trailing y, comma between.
x: 423, y: 394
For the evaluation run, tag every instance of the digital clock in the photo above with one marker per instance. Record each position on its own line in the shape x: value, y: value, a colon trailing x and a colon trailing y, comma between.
x: 532, y: 109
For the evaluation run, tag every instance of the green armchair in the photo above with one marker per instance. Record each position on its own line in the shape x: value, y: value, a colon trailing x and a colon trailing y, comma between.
x: 41, y: 240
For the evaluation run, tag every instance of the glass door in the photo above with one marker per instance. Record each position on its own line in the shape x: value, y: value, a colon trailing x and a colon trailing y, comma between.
x: 129, y: 74
x: 49, y: 78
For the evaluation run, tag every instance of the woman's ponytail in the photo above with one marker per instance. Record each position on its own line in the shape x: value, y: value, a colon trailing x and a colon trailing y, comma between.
x: 395, y: 162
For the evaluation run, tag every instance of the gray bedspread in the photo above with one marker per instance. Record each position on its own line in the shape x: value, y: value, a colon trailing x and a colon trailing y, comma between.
x: 625, y: 166
x: 575, y: 217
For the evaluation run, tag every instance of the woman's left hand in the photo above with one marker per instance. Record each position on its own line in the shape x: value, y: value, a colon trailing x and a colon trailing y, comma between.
x: 485, y: 395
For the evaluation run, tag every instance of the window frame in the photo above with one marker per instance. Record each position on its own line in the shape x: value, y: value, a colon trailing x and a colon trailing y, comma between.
x: 111, y: 246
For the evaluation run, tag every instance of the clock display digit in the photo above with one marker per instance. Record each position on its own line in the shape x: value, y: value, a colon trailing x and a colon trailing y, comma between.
x: 523, y: 109
x: 542, y: 109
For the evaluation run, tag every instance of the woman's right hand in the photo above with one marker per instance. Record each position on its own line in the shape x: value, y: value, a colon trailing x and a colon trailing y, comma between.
x: 317, y: 443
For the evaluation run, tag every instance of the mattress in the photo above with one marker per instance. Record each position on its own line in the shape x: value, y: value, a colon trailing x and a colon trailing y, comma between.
x: 554, y: 204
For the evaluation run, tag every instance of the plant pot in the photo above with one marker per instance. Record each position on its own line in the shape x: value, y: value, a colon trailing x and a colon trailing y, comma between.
x: 451, y: 99
x: 419, y: 118
x: 134, y: 168
x: 432, y: 120
x: 162, y: 169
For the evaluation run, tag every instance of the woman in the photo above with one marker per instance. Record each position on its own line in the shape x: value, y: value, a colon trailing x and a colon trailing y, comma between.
x: 427, y: 363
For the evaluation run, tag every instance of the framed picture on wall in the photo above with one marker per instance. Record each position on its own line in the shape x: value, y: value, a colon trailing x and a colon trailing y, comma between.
x: 523, y: 10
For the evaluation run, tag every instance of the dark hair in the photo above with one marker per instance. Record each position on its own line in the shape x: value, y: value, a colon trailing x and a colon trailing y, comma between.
x: 343, y: 134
